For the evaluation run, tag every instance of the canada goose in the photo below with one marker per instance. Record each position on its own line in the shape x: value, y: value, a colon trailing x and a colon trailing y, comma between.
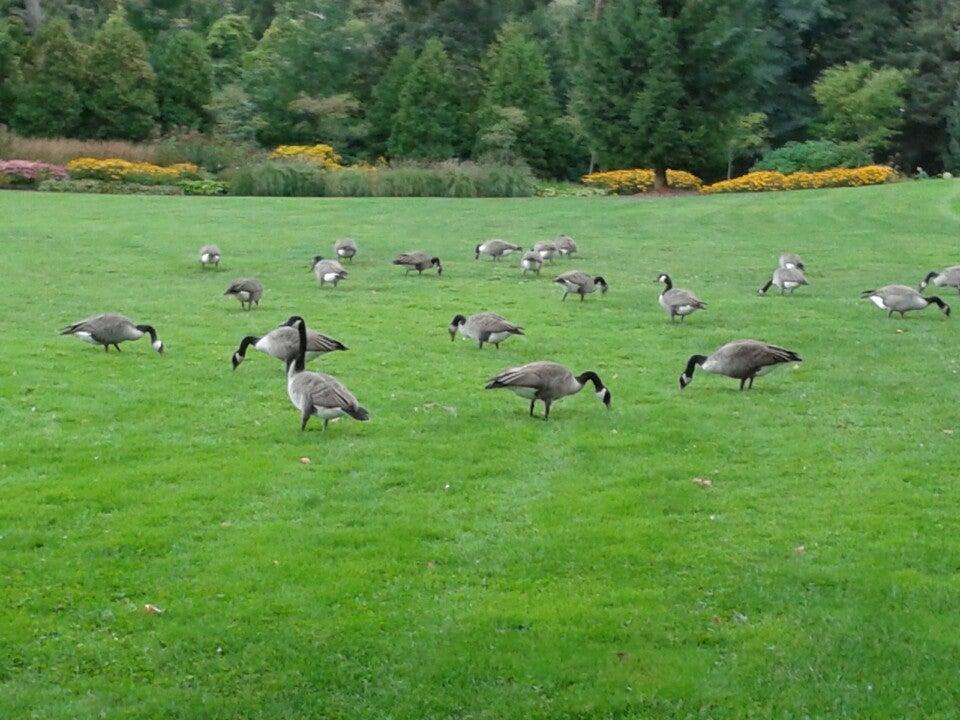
x: 283, y: 344
x: 676, y: 301
x: 247, y: 290
x: 566, y: 246
x: 111, y: 329
x: 485, y: 327
x: 345, y: 248
x: 948, y: 277
x: 785, y: 279
x: 317, y: 394
x: 209, y: 255
x: 495, y: 249
x: 580, y: 283
x: 546, y: 249
x: 418, y: 261
x: 791, y: 261
x: 902, y: 299
x: 531, y: 261
x: 547, y: 381
x: 741, y: 360
x: 328, y: 271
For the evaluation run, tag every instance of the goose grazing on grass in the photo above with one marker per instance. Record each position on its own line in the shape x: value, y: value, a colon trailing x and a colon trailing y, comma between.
x: 495, y: 249
x: 547, y: 382
x: 345, y: 248
x: 902, y: 299
x: 546, y: 249
x: 317, y: 394
x: 566, y: 246
x: 328, y: 271
x: 247, y: 290
x: 209, y: 255
x: 418, y: 261
x: 791, y: 261
x: 948, y: 277
x: 531, y: 261
x: 580, y: 283
x: 485, y: 327
x: 785, y: 279
x: 676, y: 301
x: 111, y: 329
x: 283, y: 344
x: 741, y: 360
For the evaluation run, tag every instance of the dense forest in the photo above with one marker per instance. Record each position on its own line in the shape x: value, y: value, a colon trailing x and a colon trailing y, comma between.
x: 562, y: 85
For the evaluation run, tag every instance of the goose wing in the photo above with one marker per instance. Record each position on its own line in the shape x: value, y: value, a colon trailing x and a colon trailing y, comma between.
x: 243, y: 285
x: 325, y: 391
x: 677, y: 297
x: 99, y: 326
x: 745, y: 357
x: 534, y: 375
x: 574, y: 277
x: 412, y: 258
x: 493, y: 323
x: 317, y: 342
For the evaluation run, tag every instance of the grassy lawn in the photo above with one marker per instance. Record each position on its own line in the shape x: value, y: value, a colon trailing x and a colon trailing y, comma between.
x: 453, y: 557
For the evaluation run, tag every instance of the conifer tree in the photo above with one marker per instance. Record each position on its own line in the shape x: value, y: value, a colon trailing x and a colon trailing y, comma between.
x: 386, y: 99
x: 184, y: 80
x: 228, y: 40
x: 427, y: 123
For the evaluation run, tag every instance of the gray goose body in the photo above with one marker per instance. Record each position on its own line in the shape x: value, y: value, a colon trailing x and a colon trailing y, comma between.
x: 496, y: 249
x: 247, y: 290
x: 317, y: 394
x: 546, y: 381
x: 531, y: 260
x: 948, y: 277
x: 111, y: 329
x: 546, y: 249
x: 580, y: 283
x: 328, y: 271
x: 786, y: 279
x: 209, y: 255
x: 791, y: 261
x: 902, y: 299
x: 677, y: 301
x: 283, y: 343
x: 742, y: 360
x: 485, y: 327
x: 345, y: 248
x: 566, y: 246
x: 418, y: 261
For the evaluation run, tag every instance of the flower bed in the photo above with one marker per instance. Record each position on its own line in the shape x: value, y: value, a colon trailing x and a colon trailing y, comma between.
x: 638, y: 180
x: 766, y: 181
x: 108, y: 187
x: 114, y: 170
x: 26, y: 173
x: 321, y: 154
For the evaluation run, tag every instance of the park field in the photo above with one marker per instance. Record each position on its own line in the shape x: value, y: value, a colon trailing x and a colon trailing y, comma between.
x: 453, y: 557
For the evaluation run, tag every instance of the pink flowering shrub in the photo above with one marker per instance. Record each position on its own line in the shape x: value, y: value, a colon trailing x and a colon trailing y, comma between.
x: 27, y: 172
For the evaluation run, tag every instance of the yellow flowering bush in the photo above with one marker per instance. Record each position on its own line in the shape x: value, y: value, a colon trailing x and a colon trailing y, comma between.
x: 638, y: 180
x: 766, y: 181
x: 125, y: 171
x: 325, y: 155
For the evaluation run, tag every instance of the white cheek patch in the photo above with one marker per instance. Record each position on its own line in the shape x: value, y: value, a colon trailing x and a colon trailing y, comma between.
x: 158, y: 346
x: 878, y: 301
x: 601, y: 394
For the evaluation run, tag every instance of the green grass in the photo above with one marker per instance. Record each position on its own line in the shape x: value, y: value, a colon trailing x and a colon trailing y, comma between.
x: 472, y: 562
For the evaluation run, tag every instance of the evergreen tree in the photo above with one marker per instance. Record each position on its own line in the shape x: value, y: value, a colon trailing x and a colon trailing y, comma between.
x: 234, y: 115
x: 951, y: 155
x: 120, y: 99
x: 10, y: 50
x: 518, y: 77
x: 184, y: 80
x: 55, y: 71
x: 228, y: 40
x: 386, y: 99
x: 427, y: 123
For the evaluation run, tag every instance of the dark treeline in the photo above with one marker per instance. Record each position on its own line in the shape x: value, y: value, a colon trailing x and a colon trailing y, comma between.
x: 565, y: 85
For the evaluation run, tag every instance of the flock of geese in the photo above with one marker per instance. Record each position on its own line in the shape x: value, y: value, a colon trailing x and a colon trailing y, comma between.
x: 320, y: 395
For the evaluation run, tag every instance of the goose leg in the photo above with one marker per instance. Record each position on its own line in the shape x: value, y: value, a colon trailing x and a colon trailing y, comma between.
x: 902, y: 316
x: 682, y: 318
x: 546, y: 412
x: 582, y: 296
x: 742, y: 381
x: 326, y: 421
x: 890, y: 314
x: 497, y: 345
x: 117, y: 347
x: 304, y: 416
x: 750, y: 386
x: 106, y: 348
x: 564, y: 296
x: 532, y: 403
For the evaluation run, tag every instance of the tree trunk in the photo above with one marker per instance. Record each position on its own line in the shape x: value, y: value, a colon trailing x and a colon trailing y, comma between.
x: 597, y: 8
x: 593, y: 162
x: 660, y: 178
x: 32, y: 15
x: 729, y: 166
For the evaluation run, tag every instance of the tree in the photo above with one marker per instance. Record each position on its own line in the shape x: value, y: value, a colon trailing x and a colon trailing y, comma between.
x: 499, y: 138
x: 861, y: 104
x: 747, y: 136
x: 120, y: 99
x: 184, y: 80
x: 234, y: 115
x: 10, y: 51
x: 337, y: 120
x: 518, y: 77
x: 386, y: 99
x: 951, y: 156
x: 55, y: 71
x: 427, y: 123
x: 228, y: 40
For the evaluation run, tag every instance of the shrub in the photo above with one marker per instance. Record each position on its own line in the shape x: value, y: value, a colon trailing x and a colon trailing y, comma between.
x: 106, y: 187
x: 323, y: 155
x: 210, y: 153
x: 628, y: 182
x: 766, y: 181
x: 203, y: 187
x: 124, y: 171
x: 27, y: 173
x: 813, y: 156
x: 567, y: 189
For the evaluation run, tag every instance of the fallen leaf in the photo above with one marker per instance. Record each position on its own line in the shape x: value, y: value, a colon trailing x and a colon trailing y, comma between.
x: 621, y: 656
x: 800, y: 550
x: 947, y: 431
x: 739, y: 617
x: 716, y: 619
x: 305, y: 460
x: 225, y: 524
x: 152, y: 609
x: 703, y: 482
